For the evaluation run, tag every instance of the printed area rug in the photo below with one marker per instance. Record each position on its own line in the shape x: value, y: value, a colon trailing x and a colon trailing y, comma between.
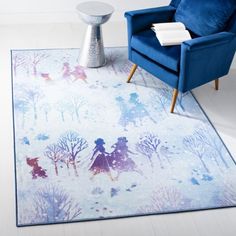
x: 90, y: 146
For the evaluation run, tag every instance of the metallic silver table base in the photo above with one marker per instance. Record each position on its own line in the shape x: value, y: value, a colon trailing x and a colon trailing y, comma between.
x: 92, y: 51
x: 94, y: 14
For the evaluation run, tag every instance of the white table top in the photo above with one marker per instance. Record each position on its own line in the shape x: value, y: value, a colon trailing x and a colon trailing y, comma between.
x: 94, y: 8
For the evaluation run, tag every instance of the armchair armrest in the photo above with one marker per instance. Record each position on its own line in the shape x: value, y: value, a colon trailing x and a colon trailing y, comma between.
x: 205, y: 59
x: 142, y: 19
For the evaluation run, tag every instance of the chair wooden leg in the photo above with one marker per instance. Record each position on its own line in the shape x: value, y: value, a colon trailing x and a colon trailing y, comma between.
x: 133, y: 69
x: 174, y: 98
x: 217, y: 84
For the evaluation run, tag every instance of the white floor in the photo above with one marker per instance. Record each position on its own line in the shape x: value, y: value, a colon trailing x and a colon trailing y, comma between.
x: 220, y: 107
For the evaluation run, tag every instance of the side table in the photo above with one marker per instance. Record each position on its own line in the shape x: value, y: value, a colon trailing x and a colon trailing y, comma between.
x: 94, y: 14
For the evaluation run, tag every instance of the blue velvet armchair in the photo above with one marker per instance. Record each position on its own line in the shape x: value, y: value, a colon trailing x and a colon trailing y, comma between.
x: 204, y: 58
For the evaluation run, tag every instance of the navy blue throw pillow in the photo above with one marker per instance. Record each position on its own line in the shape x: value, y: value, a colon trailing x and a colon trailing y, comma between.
x: 204, y: 17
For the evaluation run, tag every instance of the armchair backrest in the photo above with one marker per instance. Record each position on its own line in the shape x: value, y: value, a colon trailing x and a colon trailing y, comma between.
x: 175, y: 3
x: 231, y: 26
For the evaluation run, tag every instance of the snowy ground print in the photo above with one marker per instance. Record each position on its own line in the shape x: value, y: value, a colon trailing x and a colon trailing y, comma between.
x: 90, y: 146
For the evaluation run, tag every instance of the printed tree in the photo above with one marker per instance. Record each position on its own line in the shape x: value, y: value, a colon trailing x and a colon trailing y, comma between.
x: 112, y: 59
x: 46, y: 108
x: 35, y: 59
x: 62, y: 107
x: 160, y: 100
x: 76, y: 103
x: 227, y: 195
x: 32, y: 95
x: 22, y: 107
x: 52, y: 204
x: 166, y: 199
x: 17, y: 61
x: 212, y: 143
x: 148, y: 146
x: 72, y: 144
x: 194, y: 145
x: 55, y: 154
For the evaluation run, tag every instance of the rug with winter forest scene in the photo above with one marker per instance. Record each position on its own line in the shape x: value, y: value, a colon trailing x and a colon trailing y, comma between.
x: 90, y: 146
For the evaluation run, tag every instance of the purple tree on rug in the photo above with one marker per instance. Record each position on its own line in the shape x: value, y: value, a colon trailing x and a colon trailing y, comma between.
x: 72, y: 144
x: 166, y: 199
x: 35, y: 59
x: 112, y: 59
x: 53, y: 204
x: 227, y: 195
x: 148, y: 146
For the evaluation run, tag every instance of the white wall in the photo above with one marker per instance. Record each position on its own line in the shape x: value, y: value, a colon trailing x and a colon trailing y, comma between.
x: 51, y: 11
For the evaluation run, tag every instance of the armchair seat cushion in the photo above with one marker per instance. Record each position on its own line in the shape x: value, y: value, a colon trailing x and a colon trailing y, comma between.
x: 146, y: 43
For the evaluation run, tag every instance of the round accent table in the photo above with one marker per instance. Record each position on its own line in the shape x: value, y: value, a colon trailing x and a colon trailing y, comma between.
x: 94, y: 14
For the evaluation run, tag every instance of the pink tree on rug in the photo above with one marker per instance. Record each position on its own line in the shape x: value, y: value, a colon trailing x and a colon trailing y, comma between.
x: 55, y: 154
x: 35, y: 59
x: 71, y: 143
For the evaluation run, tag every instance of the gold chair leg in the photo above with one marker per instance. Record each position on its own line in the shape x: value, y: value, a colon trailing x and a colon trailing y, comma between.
x: 217, y: 84
x: 133, y: 69
x: 174, y: 98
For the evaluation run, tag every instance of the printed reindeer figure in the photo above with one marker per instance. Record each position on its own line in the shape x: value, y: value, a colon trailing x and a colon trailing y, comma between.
x: 46, y: 76
x: 37, y: 170
x: 78, y: 72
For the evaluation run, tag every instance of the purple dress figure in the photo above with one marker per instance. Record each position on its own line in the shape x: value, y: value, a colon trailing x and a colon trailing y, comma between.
x: 100, y: 157
x: 120, y: 160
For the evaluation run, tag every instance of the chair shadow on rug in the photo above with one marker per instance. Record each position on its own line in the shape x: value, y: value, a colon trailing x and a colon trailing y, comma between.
x: 204, y: 58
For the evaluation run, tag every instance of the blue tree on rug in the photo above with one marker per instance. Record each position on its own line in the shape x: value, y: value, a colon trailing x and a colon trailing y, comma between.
x: 194, y: 145
x: 227, y: 195
x: 75, y: 105
x: 53, y: 204
x: 22, y: 107
x: 160, y: 100
x: 62, y: 107
x: 124, y: 66
x: 166, y: 199
x: 212, y: 143
x: 148, y: 146
x: 31, y: 96
x: 55, y: 154
x: 46, y: 108
x: 71, y: 143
